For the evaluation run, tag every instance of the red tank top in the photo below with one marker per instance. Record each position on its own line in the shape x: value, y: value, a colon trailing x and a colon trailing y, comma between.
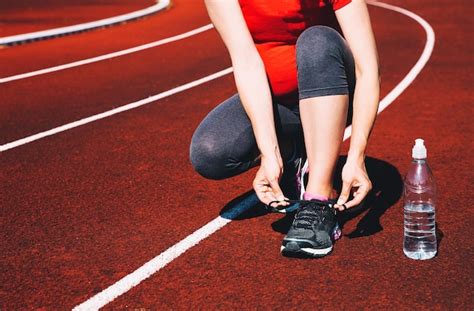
x: 275, y: 26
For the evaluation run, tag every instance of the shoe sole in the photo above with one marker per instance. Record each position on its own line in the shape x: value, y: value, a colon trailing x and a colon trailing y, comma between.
x: 299, y: 247
x: 293, y: 249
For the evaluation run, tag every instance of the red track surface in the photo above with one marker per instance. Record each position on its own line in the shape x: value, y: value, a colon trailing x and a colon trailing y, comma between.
x: 83, y: 208
x: 22, y: 16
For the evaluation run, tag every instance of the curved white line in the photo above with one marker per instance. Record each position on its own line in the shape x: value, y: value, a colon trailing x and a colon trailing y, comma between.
x: 85, y: 26
x: 107, y: 56
x: 154, y: 265
x: 109, y: 113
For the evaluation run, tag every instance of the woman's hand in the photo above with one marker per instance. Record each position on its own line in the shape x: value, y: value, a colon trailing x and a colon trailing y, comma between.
x: 354, y: 175
x: 266, y: 184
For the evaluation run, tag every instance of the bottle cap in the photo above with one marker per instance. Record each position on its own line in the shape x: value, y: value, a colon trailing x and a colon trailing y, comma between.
x: 419, y: 150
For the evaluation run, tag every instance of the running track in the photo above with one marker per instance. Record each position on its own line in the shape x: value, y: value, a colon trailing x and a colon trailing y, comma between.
x: 83, y: 208
x: 23, y: 16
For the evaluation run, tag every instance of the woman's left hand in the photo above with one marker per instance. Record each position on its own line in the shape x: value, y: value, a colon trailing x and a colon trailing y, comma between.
x: 354, y: 175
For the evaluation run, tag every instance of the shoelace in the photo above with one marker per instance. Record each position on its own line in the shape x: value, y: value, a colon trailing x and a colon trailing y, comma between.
x: 309, y: 213
x: 329, y: 203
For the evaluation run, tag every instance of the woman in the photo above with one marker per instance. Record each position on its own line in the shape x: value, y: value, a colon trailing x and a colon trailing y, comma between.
x: 295, y: 76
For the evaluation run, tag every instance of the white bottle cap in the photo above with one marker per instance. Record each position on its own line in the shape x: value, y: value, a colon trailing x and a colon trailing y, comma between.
x: 419, y: 150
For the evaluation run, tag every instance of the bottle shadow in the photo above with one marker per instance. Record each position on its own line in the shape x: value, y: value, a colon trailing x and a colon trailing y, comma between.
x: 439, y: 238
x: 387, y: 187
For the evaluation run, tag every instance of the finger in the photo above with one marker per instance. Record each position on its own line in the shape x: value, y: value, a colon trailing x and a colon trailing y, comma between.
x: 358, y: 196
x: 261, y: 190
x: 269, y: 199
x: 277, y: 192
x: 262, y: 197
x: 346, y: 190
x: 271, y: 196
x: 280, y: 203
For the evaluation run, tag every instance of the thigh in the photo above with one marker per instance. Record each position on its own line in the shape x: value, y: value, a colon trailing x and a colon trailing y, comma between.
x: 226, y: 132
x: 224, y: 144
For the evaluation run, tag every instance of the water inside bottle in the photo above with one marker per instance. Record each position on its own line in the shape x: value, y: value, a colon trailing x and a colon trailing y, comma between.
x: 420, y: 232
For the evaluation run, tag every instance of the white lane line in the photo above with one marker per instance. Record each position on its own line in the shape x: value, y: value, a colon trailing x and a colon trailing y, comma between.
x: 160, y: 5
x: 109, y: 113
x: 152, y: 266
x: 157, y: 263
x: 107, y: 56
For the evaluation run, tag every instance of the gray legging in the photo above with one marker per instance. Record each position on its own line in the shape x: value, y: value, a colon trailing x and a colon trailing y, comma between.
x: 224, y: 145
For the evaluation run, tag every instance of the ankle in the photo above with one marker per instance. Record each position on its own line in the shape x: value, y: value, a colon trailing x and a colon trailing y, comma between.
x: 314, y: 196
x: 325, y: 192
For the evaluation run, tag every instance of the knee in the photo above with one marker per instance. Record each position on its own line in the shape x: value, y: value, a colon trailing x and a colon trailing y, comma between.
x: 207, y: 158
x: 319, y: 45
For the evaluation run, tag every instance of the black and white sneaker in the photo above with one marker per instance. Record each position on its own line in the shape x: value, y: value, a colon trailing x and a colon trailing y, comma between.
x: 313, y: 231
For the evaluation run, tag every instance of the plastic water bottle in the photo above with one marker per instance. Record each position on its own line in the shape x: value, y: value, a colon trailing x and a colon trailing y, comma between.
x: 420, y: 198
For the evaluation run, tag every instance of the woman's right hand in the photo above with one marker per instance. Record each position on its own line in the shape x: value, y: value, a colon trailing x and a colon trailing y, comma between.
x: 266, y: 180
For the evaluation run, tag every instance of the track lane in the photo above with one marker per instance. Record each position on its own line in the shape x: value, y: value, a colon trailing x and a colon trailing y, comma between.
x: 17, y: 108
x: 91, y: 206
x: 116, y: 211
x: 48, y: 53
x: 105, y: 85
x: 200, y: 263
x: 19, y: 17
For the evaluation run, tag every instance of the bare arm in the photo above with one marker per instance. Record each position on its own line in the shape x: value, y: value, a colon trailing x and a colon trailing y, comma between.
x: 254, y: 91
x: 355, y: 23
x: 249, y: 71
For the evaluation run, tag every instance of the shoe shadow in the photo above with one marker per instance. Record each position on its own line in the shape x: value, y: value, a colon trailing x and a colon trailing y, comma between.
x: 282, y: 225
x: 387, y: 189
x: 244, y: 206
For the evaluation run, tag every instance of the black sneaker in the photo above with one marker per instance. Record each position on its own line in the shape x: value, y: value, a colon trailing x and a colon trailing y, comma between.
x: 313, y: 231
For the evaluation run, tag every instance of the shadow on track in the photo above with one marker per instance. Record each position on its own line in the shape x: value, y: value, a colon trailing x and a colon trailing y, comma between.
x: 439, y: 238
x: 387, y: 190
x: 244, y: 206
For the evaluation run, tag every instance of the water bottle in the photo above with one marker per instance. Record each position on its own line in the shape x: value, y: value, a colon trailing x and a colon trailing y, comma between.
x: 419, y: 240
